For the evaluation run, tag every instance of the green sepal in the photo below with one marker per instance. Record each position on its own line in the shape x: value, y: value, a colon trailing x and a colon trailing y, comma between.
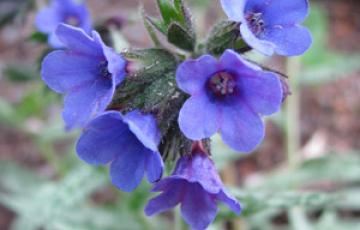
x: 154, y: 64
x: 158, y: 24
x: 150, y: 28
x: 159, y: 91
x: 180, y: 37
x: 224, y: 35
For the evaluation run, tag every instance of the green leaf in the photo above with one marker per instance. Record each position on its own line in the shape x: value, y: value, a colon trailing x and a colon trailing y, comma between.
x: 168, y: 12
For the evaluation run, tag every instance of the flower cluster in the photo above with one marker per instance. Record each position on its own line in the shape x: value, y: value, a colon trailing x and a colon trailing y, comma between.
x: 135, y: 119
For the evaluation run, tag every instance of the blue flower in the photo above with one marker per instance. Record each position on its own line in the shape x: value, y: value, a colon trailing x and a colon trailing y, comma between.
x: 196, y: 185
x: 271, y: 25
x: 87, y: 72
x: 62, y: 11
x: 227, y: 96
x: 129, y: 142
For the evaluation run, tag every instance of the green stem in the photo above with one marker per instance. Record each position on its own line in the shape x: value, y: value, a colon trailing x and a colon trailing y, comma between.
x: 293, y: 113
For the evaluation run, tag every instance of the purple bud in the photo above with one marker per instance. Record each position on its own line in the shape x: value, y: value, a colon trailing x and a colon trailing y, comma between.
x: 197, y: 187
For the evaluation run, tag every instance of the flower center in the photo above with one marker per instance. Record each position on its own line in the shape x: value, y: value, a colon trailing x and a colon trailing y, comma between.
x: 255, y: 22
x: 222, y: 84
x: 104, y: 72
x: 72, y: 20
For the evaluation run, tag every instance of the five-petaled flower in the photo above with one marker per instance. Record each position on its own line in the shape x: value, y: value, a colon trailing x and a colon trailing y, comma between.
x: 129, y: 142
x: 62, y: 11
x: 196, y: 185
x: 271, y: 25
x: 87, y: 72
x: 227, y: 96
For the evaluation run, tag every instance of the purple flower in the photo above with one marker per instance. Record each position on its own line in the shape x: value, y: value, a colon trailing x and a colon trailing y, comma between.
x: 196, y: 185
x: 62, y: 11
x: 87, y: 73
x: 271, y: 25
x: 129, y: 142
x: 227, y: 96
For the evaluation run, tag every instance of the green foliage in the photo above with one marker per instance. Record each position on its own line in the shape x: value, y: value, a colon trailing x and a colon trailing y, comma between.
x: 176, y: 24
x: 223, y: 35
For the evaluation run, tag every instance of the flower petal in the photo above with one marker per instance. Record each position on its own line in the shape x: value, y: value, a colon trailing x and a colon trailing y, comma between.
x: 166, y: 200
x: 230, y: 201
x: 285, y: 12
x: 234, y: 9
x: 116, y: 63
x: 199, y: 168
x: 199, y: 117
x: 262, y: 91
x: 198, y: 208
x: 86, y: 102
x: 77, y: 40
x: 165, y: 183
x: 63, y: 71
x: 262, y: 46
x: 234, y: 62
x: 289, y: 41
x: 192, y: 75
x: 154, y: 166
x: 127, y: 170
x: 145, y: 129
x: 241, y: 129
x: 103, y: 139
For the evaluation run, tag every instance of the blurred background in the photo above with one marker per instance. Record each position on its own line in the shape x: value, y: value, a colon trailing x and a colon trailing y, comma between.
x: 304, y: 176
